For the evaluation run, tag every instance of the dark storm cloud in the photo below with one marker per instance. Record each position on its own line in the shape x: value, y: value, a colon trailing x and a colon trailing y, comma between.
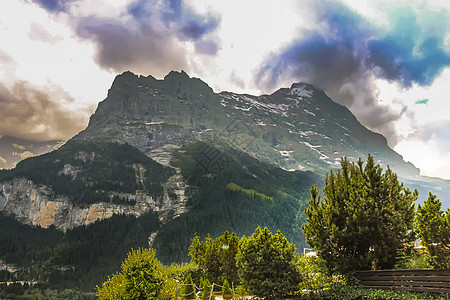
x: 326, y: 59
x: 207, y: 47
x: 150, y: 42
x: 121, y: 48
x: 177, y: 15
x: 403, y: 55
x: 54, y: 5
x: 347, y: 54
x: 36, y: 113
x: 27, y: 111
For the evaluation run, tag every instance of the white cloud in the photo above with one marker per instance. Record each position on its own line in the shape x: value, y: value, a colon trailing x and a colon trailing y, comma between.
x: 44, y: 52
x: 429, y: 156
x: 249, y: 31
x: 62, y: 59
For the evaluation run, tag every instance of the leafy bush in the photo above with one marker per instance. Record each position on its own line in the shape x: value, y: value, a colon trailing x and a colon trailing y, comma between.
x: 351, y: 292
x: 227, y: 293
x: 142, y: 277
x: 217, y: 258
x: 267, y: 264
x: 314, y: 274
x: 189, y: 291
x: 206, y: 287
x: 411, y: 258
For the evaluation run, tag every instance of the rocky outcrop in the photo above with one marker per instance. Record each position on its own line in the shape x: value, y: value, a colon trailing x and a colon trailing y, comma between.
x: 38, y: 205
x: 296, y: 128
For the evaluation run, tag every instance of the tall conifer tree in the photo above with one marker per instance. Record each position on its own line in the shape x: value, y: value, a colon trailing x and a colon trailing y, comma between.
x: 433, y: 226
x: 365, y: 215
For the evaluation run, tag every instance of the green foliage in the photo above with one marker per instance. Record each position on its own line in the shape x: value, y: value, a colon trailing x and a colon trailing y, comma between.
x: 241, y: 292
x: 227, y: 293
x: 41, y: 291
x: 170, y: 288
x: 78, y: 258
x: 411, y: 258
x: 267, y: 264
x: 182, y: 271
x: 433, y: 227
x: 207, y: 289
x: 314, y: 274
x: 267, y: 196
x: 351, y: 292
x: 142, y: 277
x: 216, y: 257
x: 189, y: 291
x: 113, y: 288
x: 364, y: 217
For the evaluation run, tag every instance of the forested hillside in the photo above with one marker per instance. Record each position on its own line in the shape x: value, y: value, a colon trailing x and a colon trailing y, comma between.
x: 230, y: 190
x: 226, y: 190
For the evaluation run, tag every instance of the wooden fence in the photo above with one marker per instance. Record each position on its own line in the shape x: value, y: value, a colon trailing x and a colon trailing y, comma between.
x: 420, y: 280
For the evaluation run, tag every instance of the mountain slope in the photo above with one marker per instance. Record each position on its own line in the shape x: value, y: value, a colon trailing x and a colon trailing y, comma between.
x: 170, y: 158
x: 299, y: 128
x: 226, y: 190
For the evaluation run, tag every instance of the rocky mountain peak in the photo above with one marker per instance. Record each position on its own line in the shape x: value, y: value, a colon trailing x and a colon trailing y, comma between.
x: 174, y: 75
x: 296, y: 128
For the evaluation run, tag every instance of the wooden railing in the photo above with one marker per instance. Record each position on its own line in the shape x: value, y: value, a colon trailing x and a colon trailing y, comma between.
x: 418, y: 280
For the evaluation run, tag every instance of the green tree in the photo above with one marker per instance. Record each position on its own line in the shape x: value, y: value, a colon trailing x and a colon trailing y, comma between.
x: 189, y: 292
x: 364, y: 217
x: 227, y: 293
x: 267, y: 264
x: 113, y: 288
x: 433, y: 227
x: 206, y: 287
x: 216, y: 257
x: 142, y: 277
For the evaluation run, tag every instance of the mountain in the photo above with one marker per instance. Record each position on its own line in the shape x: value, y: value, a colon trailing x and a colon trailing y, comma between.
x: 299, y: 128
x: 13, y: 150
x: 164, y: 159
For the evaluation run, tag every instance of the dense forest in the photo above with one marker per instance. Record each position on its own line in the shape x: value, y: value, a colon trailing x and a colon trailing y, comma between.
x: 233, y: 192
x: 80, y: 258
x: 226, y: 189
x: 95, y: 170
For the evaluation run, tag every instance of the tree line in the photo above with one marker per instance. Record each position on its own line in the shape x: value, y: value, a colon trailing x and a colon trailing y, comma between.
x: 362, y: 219
x: 364, y: 216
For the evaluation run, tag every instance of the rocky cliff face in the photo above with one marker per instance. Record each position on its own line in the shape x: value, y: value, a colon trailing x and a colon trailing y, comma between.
x: 296, y: 128
x: 82, y: 183
x: 38, y: 205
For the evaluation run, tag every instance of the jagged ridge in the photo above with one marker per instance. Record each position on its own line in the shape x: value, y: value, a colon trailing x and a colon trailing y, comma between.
x: 299, y: 128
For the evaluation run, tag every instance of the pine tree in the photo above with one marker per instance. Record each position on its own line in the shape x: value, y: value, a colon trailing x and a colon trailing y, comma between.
x: 364, y: 217
x: 433, y: 227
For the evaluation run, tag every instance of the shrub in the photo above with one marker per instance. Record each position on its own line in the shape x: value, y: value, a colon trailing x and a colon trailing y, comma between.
x: 142, y: 277
x: 227, y: 293
x: 267, y: 264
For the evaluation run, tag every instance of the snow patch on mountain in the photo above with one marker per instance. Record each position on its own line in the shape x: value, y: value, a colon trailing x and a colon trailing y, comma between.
x: 301, y: 90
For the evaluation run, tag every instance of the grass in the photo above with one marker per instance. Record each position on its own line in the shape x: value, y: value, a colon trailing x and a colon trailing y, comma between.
x: 234, y: 187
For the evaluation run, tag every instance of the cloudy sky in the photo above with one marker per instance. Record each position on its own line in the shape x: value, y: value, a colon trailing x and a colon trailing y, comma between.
x: 387, y: 61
